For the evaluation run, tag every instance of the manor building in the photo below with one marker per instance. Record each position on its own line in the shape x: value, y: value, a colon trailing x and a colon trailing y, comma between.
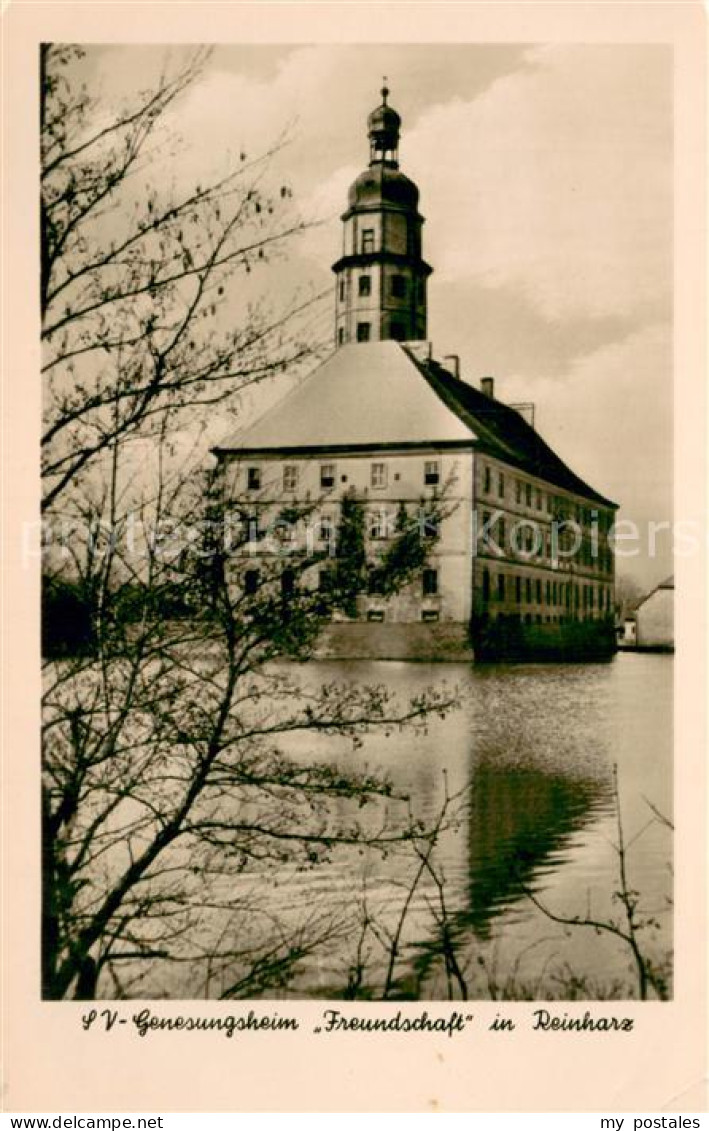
x: 524, y: 542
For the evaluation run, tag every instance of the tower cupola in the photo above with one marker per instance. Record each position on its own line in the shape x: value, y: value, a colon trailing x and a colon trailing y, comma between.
x: 384, y: 125
x: 381, y: 276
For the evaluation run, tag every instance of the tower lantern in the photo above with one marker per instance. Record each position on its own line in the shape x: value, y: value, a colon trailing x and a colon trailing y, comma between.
x: 384, y: 125
x: 381, y: 275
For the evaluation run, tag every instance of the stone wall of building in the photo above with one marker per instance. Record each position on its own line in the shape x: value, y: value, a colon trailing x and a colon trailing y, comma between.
x: 388, y: 641
x: 542, y: 553
x: 381, y: 481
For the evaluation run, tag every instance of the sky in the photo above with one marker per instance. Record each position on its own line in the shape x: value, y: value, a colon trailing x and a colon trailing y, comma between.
x: 545, y: 174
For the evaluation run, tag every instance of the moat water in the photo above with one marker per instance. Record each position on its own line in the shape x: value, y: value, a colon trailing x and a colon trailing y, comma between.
x: 529, y: 758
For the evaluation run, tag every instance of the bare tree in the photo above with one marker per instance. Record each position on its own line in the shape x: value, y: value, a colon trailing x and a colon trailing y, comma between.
x: 169, y: 798
x: 136, y: 276
x: 168, y: 791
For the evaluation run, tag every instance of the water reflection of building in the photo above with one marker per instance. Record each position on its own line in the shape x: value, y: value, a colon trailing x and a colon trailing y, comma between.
x: 520, y: 820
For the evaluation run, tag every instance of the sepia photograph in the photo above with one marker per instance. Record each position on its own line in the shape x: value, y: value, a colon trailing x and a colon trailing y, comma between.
x: 357, y: 542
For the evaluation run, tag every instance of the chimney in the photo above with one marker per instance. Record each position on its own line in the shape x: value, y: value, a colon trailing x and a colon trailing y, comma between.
x: 454, y: 360
x: 487, y: 386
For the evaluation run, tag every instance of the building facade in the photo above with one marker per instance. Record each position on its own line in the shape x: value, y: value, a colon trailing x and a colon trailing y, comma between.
x: 654, y: 619
x: 520, y: 558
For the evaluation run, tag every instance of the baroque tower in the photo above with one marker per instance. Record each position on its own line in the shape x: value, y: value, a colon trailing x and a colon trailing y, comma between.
x: 381, y: 276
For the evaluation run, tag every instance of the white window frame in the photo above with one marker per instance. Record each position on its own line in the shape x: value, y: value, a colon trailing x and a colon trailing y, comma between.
x: 290, y: 477
x: 332, y: 467
x: 432, y: 467
x: 378, y: 476
x: 378, y: 525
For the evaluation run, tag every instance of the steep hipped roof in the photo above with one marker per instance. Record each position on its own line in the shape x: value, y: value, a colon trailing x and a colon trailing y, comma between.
x: 362, y: 395
x: 380, y: 394
x: 504, y: 434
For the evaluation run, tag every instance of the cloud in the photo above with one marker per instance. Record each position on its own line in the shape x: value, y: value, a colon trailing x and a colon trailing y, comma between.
x: 610, y: 418
x: 557, y: 180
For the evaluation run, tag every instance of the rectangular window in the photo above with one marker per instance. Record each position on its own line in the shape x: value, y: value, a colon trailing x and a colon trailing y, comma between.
x: 430, y: 582
x: 363, y: 331
x: 253, y: 478
x: 327, y: 475
x: 398, y: 286
x: 326, y: 528
x: 378, y: 475
x: 500, y: 586
x: 500, y: 485
x: 540, y: 500
x: 342, y: 290
x: 430, y: 526
x: 341, y: 336
x: 519, y: 491
x: 529, y: 590
x: 375, y: 582
x: 528, y: 493
x: 375, y: 614
x: 429, y: 614
x: 539, y: 591
x: 487, y: 480
x: 365, y: 286
x: 486, y: 585
x: 290, y: 477
x: 518, y: 589
x: 367, y: 241
x: 377, y: 524
x: 251, y: 582
x: 431, y: 472
x: 251, y: 523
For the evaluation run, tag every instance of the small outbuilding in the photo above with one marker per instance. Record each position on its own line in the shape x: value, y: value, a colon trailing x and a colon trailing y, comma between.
x: 654, y: 619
